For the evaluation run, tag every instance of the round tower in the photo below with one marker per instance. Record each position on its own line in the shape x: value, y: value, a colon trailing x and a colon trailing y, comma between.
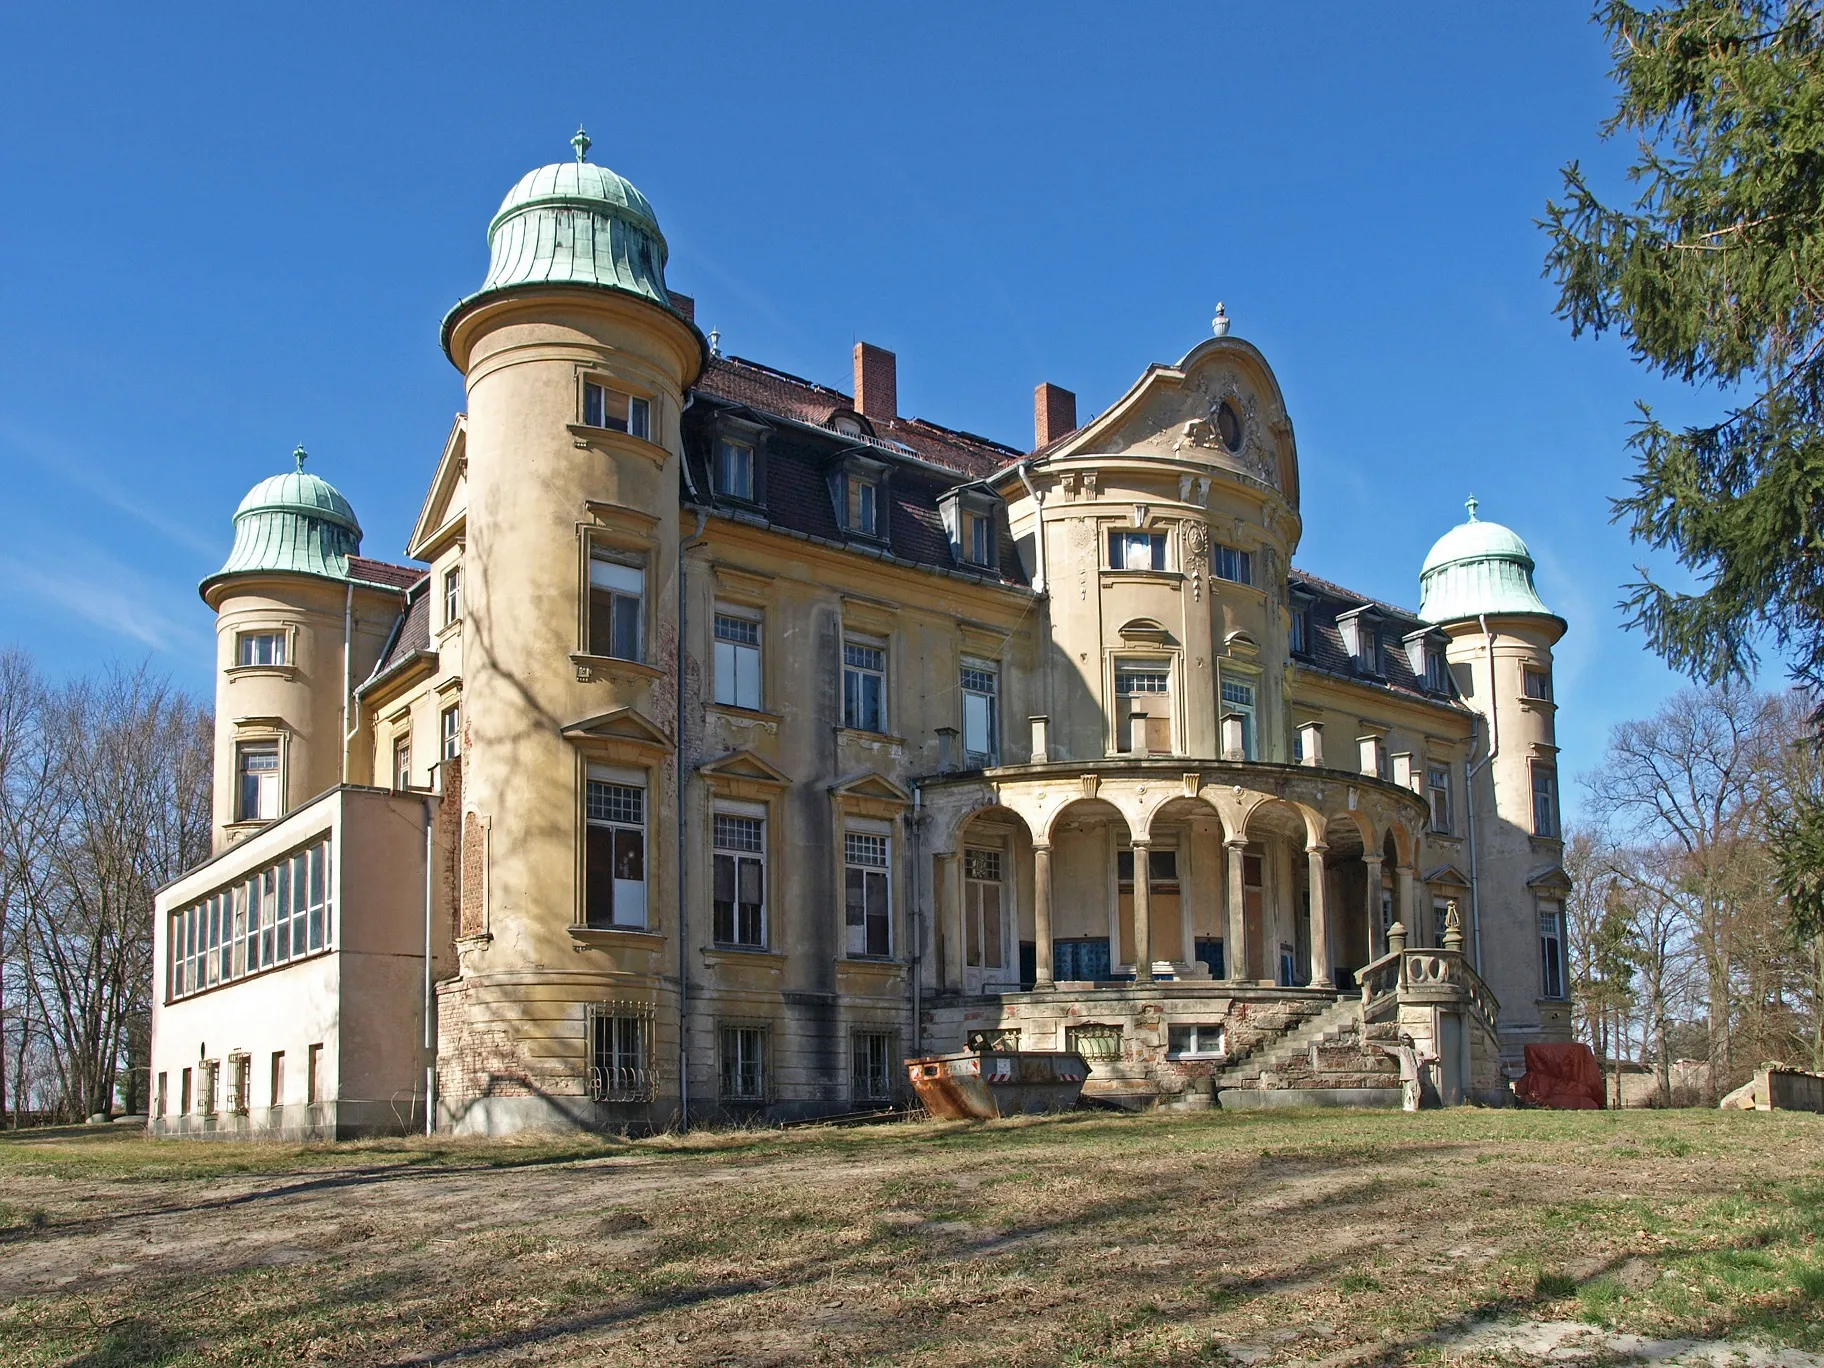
x: 576, y: 366
x: 285, y: 619
x: 1477, y: 586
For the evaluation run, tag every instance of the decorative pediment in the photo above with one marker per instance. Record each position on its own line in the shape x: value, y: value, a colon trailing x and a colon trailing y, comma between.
x: 871, y: 794
x: 1446, y: 874
x: 743, y: 768
x: 1220, y: 405
x: 446, y: 505
x: 1147, y: 630
x: 622, y: 731
x: 1554, y: 882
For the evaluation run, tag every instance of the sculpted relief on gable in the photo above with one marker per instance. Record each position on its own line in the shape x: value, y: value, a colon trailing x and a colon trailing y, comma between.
x: 1213, y: 415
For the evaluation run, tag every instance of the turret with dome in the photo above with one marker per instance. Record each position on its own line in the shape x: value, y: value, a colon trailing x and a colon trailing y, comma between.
x: 1475, y: 569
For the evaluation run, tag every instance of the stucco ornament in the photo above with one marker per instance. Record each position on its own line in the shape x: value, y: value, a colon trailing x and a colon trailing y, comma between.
x: 1083, y: 544
x: 1254, y: 456
x: 1196, y: 555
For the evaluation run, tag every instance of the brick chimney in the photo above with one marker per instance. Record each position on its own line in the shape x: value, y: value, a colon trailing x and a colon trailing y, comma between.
x: 876, y: 383
x: 1054, y: 413
x: 685, y: 306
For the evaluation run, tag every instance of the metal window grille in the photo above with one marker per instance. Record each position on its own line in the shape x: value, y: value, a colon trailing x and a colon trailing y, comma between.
x: 984, y: 865
x: 872, y: 1077
x: 620, y: 1051
x: 743, y: 1063
x: 1096, y: 1042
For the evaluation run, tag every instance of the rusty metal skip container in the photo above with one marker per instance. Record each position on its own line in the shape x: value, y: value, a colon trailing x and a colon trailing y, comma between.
x: 980, y: 1085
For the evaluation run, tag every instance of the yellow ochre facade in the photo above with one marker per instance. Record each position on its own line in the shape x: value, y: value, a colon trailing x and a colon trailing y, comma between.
x: 730, y: 739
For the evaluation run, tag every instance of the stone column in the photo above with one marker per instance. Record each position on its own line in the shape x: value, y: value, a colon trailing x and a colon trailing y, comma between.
x: 1041, y: 913
x: 1143, y: 912
x: 1403, y: 907
x: 1320, y: 917
x: 1236, y: 951
x: 1377, y: 942
x: 951, y: 881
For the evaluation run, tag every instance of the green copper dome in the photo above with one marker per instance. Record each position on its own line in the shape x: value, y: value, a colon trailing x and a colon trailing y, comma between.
x: 1475, y: 568
x: 296, y: 524
x: 574, y: 223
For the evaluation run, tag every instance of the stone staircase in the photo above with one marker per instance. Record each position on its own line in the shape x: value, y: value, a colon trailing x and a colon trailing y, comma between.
x: 1340, y: 1021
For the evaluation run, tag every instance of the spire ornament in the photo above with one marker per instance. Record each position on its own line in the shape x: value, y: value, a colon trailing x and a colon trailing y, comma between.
x: 1472, y: 504
x: 581, y: 143
x: 300, y: 456
x: 1220, y: 324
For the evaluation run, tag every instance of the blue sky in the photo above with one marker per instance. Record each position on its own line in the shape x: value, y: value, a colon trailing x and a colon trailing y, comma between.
x: 229, y: 230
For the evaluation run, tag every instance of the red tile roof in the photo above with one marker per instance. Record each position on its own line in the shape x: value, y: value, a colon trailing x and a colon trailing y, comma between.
x: 385, y: 572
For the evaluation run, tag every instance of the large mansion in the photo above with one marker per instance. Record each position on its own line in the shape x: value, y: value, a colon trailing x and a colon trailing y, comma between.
x: 722, y: 740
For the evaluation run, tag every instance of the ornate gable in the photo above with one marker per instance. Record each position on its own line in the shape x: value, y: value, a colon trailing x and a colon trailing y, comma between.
x: 446, y: 505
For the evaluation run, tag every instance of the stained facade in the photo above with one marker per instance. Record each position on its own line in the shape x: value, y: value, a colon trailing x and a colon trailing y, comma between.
x: 729, y: 738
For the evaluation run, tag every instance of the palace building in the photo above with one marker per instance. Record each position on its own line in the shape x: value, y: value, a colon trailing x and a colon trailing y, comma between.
x: 723, y: 739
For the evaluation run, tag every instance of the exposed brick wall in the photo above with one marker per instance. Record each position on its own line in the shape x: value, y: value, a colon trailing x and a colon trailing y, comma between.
x: 876, y: 383
x: 474, y: 874
x: 1054, y: 413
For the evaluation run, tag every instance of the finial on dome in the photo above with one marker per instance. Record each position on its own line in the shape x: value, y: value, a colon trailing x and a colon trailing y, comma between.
x: 1220, y: 324
x: 300, y: 456
x: 581, y: 143
x: 1472, y: 504
x: 715, y: 342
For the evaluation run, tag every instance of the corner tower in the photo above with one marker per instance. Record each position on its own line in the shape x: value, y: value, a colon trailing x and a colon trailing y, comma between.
x: 1477, y: 586
x: 576, y: 365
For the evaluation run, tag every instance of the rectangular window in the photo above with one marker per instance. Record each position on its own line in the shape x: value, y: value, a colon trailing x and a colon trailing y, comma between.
x: 737, y: 661
x: 275, y: 1093
x: 871, y: 1077
x: 452, y: 595
x: 240, y: 1067
x: 614, y: 856
x: 609, y: 408
x: 864, y: 687
x: 1162, y: 869
x: 1142, y: 680
x: 740, y: 881
x: 982, y: 932
x: 1551, y: 954
x: 978, y: 539
x: 451, y: 727
x: 1227, y: 563
x: 620, y: 1053
x: 1143, y: 708
x: 258, y: 764
x: 1437, y: 671
x: 981, y: 720
x: 402, y: 762
x: 1372, y: 662
x: 1194, y: 1042
x: 743, y: 1063
x: 313, y: 1074
x: 864, y: 507
x: 1545, y: 801
x: 1238, y: 699
x: 1301, y: 631
x: 866, y: 912
x: 1537, y: 683
x: 735, y: 470
x: 185, y: 1094
x: 617, y: 593
x: 260, y: 648
x: 1136, y: 550
x: 1437, y: 778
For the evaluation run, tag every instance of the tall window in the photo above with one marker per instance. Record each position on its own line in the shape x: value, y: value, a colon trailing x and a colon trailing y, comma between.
x: 1536, y: 683
x: 1143, y: 697
x: 275, y: 1092
x: 260, y: 648
x: 735, y: 470
x: 743, y: 1063
x: 1437, y: 671
x: 1301, y: 630
x: 864, y: 507
x: 451, y: 725
x: 737, y: 661
x: 1437, y: 779
x: 871, y: 1075
x: 1228, y: 563
x: 981, y: 720
x: 616, y: 593
x: 1551, y: 953
x: 258, y: 766
x: 614, y: 857
x: 609, y: 408
x: 982, y: 909
x: 1136, y: 550
x: 978, y: 539
x: 867, y: 912
x: 452, y: 595
x: 864, y: 687
x: 402, y: 762
x: 740, y: 887
x: 1238, y: 698
x: 620, y: 1052
x: 1545, y: 801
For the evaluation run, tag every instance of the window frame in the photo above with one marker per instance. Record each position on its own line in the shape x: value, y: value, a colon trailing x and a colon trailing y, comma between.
x: 1437, y: 792
x: 1552, y: 952
x: 278, y: 913
x: 1248, y: 710
x: 1158, y: 555
x: 1126, y: 670
x: 854, y: 699
x: 989, y: 671
x: 243, y: 751
x: 1530, y: 673
x: 985, y: 867
x: 605, y: 884
x: 863, y: 873
x: 402, y: 760
x: 452, y: 595
x: 1225, y: 558
x: 449, y: 732
x: 619, y: 1057
x: 638, y: 422
x: 738, y: 853
x: 735, y: 650
x: 721, y: 468
x: 244, y: 637
x: 614, y: 558
x: 746, y: 1061
x: 1551, y: 828
x: 1173, y: 1050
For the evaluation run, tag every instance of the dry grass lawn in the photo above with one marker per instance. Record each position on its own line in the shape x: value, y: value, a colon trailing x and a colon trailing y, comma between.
x: 1256, y: 1239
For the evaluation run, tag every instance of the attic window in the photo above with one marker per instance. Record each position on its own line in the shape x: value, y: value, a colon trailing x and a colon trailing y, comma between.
x: 978, y: 539
x: 971, y: 515
x: 1361, y: 629
x: 735, y: 470
x: 864, y: 507
x: 848, y: 427
x: 859, y: 488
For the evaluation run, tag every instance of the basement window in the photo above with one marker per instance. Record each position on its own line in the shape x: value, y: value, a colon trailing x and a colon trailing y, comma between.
x: 1202, y: 1041
x: 743, y: 1064
x: 620, y: 1052
x: 871, y: 1078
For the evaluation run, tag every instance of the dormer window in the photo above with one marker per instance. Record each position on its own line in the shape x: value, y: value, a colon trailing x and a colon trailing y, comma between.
x: 971, y: 516
x: 978, y: 538
x: 1301, y: 605
x: 1425, y: 653
x: 858, y: 486
x: 864, y: 508
x: 1437, y: 672
x: 604, y: 407
x: 1136, y: 550
x: 735, y: 470
x: 1361, y: 629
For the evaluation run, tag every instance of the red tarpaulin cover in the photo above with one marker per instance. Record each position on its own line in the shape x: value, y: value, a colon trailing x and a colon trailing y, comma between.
x: 1564, y: 1077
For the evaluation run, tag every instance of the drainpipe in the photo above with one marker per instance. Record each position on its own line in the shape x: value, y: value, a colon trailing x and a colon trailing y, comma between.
x: 918, y: 928
x: 1041, y: 562
x: 1469, y: 789
x: 684, y: 544
x: 348, y: 675
x: 430, y: 1037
